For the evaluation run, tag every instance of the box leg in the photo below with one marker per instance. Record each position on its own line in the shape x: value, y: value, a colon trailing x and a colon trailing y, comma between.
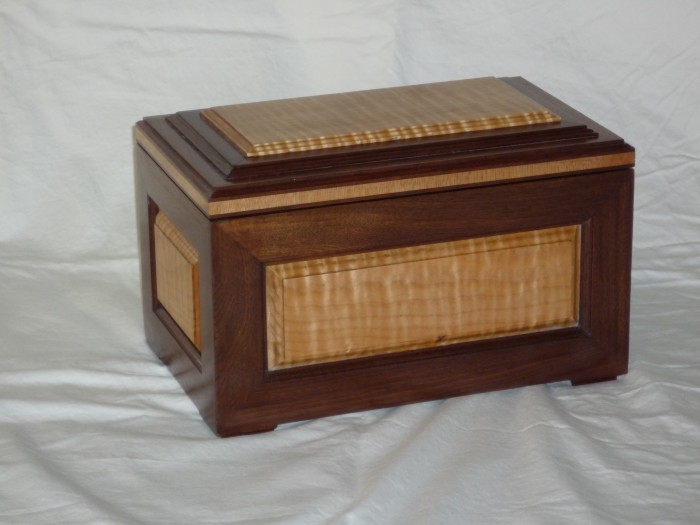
x: 588, y: 381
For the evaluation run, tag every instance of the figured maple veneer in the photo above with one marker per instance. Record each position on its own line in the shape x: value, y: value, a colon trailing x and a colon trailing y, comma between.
x: 431, y: 295
x: 379, y: 115
x: 177, y: 277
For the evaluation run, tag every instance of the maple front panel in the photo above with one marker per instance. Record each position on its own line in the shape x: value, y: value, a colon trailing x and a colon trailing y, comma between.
x: 439, y: 294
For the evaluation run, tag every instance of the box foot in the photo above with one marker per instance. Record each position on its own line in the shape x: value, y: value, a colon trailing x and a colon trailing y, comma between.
x: 242, y: 431
x: 588, y: 381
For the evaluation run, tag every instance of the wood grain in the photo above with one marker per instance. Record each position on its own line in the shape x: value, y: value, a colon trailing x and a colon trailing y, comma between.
x: 423, y: 296
x: 379, y: 115
x: 177, y: 277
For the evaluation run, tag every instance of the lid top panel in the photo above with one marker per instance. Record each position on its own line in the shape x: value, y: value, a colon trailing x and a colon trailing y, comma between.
x: 321, y: 122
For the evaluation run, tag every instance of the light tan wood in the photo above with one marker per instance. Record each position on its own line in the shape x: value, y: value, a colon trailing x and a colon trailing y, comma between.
x: 177, y: 277
x: 378, y: 115
x: 431, y: 295
x: 357, y: 191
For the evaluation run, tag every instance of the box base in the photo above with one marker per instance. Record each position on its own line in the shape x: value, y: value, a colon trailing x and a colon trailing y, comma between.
x: 243, y: 383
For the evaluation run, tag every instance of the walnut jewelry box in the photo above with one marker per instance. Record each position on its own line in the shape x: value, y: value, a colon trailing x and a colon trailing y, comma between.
x: 336, y: 253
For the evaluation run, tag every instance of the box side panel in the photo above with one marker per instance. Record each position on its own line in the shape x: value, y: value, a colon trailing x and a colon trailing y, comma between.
x: 176, y: 290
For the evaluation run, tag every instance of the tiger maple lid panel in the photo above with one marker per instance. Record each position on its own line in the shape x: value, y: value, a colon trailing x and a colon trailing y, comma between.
x: 380, y: 115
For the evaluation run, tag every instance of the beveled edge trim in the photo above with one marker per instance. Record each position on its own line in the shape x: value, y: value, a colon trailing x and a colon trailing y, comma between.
x: 436, y: 129
x: 177, y: 239
x: 171, y: 169
x: 227, y: 131
x: 326, y: 121
x: 219, y: 208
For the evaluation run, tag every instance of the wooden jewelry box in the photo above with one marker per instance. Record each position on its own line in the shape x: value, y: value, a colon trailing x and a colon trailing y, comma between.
x: 338, y: 253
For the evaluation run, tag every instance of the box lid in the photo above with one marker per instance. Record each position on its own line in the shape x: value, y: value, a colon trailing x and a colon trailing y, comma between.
x: 254, y: 157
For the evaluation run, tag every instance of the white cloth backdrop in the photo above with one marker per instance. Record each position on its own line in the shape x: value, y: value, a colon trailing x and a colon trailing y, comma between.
x: 94, y: 430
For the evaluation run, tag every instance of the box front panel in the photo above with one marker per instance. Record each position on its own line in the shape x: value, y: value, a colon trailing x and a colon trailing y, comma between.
x: 374, y: 303
x: 434, y: 295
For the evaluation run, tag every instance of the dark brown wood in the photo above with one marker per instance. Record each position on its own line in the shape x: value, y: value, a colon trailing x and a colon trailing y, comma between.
x: 593, y: 380
x: 601, y: 203
x: 230, y: 381
x: 192, y: 369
